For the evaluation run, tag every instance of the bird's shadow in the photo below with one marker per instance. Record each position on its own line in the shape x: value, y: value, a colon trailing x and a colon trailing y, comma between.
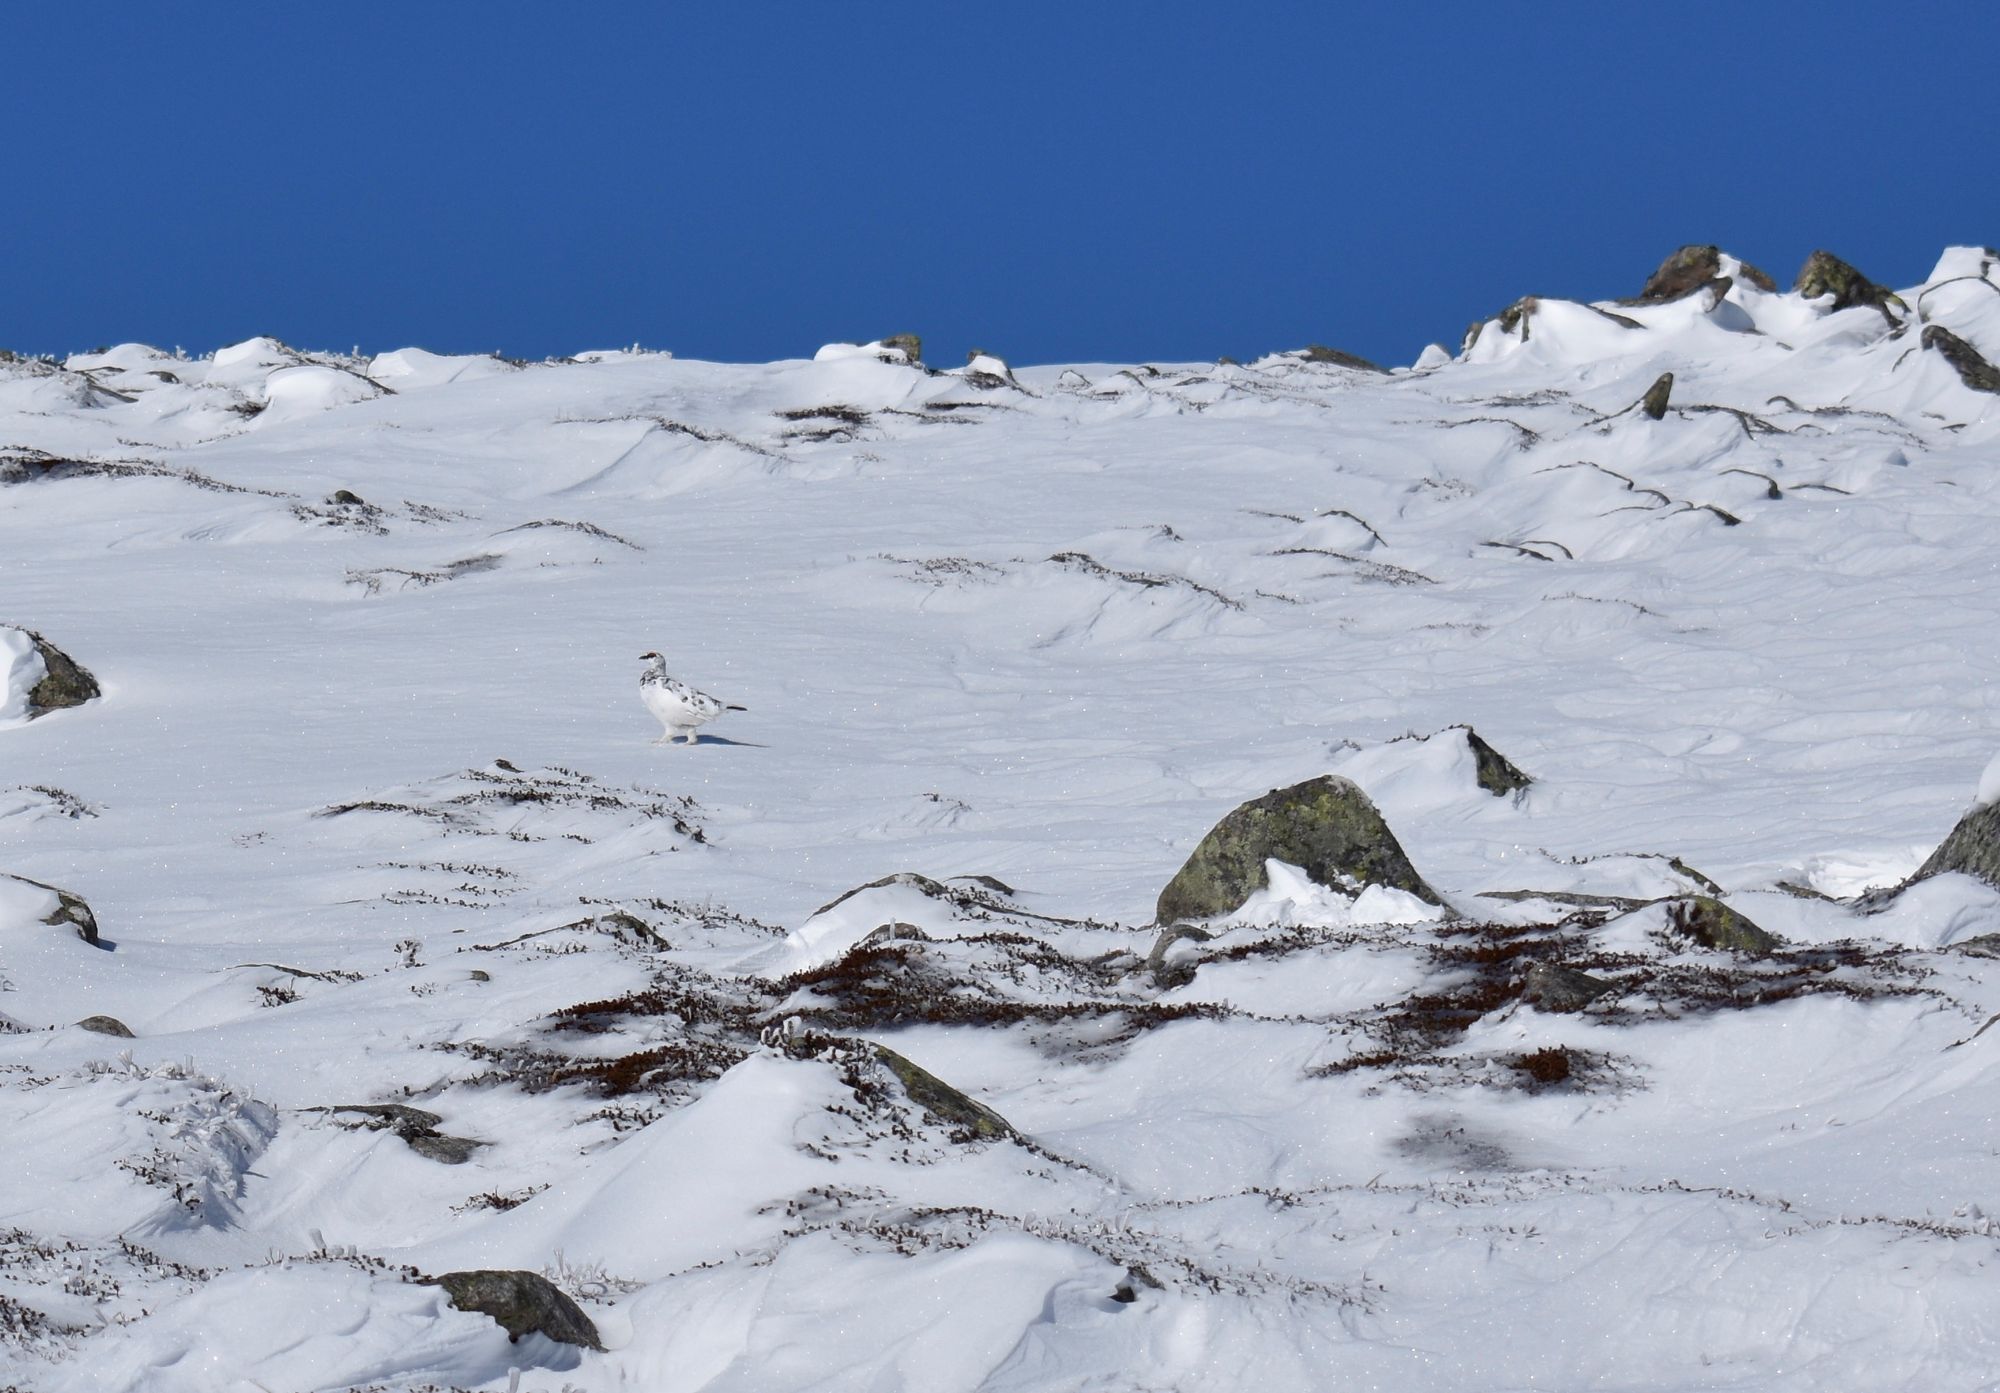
x: 700, y: 739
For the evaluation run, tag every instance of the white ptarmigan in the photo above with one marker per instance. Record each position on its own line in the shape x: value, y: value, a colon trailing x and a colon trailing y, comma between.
x: 680, y: 707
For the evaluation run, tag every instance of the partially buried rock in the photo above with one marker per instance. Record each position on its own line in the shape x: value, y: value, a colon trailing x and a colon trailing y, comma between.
x: 1554, y: 988
x: 1826, y: 274
x: 942, y: 1101
x: 911, y: 346
x: 1713, y: 924
x: 105, y: 1025
x: 1326, y: 827
x: 524, y: 1303
x: 1972, y: 368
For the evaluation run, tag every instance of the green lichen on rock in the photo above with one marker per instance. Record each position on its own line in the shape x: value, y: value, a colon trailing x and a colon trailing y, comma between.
x: 1327, y: 827
x: 1654, y: 403
x: 1972, y: 368
x: 1713, y: 924
x: 1973, y: 849
x: 524, y: 1303
x: 942, y: 1101
x: 1497, y: 774
x: 1826, y: 274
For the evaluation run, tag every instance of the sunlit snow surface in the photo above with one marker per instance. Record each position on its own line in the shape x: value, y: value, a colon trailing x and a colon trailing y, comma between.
x: 370, y: 801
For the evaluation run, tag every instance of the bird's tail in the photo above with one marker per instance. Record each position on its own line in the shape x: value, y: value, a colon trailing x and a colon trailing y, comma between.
x: 735, y: 708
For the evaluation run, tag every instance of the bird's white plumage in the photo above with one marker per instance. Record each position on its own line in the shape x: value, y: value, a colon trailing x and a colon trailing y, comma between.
x: 680, y: 708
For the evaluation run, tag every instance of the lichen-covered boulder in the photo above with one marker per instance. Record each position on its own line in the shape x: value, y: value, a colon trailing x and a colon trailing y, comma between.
x: 524, y: 1303
x: 1713, y: 924
x: 942, y: 1101
x: 1970, y: 365
x: 1327, y: 827
x: 1826, y: 274
x: 1973, y: 849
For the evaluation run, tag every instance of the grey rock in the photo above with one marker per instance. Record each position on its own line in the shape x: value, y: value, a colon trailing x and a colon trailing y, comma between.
x: 106, y: 1025
x: 942, y: 1101
x: 1551, y: 987
x: 524, y: 1303
x: 1326, y: 826
x: 1713, y: 924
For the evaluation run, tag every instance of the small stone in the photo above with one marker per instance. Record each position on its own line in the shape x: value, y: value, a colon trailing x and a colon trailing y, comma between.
x: 1497, y: 774
x: 106, y: 1025
x: 1340, y: 358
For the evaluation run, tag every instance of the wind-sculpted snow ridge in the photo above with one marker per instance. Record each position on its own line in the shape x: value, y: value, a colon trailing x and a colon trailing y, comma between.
x: 840, y: 1051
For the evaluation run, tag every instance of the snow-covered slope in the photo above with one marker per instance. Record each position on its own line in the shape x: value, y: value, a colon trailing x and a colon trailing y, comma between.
x: 369, y: 813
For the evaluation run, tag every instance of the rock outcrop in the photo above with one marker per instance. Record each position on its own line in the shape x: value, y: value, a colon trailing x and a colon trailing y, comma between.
x: 1327, y: 827
x: 524, y: 1303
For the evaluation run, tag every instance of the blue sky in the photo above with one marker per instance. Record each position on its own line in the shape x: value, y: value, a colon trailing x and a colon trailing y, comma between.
x: 1053, y: 182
